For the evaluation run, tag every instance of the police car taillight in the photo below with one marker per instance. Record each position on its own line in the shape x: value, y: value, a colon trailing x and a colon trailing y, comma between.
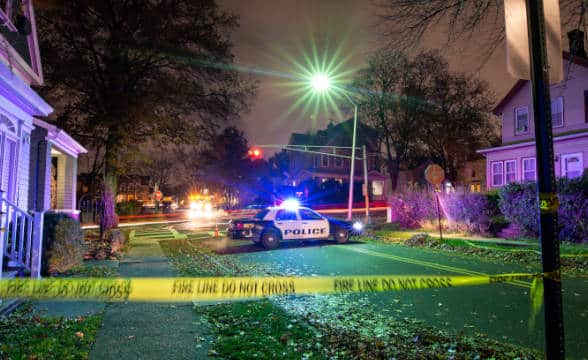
x: 239, y: 226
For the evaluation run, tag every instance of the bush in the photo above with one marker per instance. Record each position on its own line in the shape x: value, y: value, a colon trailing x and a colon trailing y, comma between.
x: 63, y: 243
x: 410, y: 209
x: 573, y: 209
x: 518, y: 203
x: 468, y: 212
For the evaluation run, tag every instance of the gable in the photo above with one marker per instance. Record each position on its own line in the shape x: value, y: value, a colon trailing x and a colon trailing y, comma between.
x: 569, y: 61
x: 19, y: 48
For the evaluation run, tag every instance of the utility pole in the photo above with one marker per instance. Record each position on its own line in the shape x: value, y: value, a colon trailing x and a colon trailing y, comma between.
x: 366, y: 193
x: 548, y: 202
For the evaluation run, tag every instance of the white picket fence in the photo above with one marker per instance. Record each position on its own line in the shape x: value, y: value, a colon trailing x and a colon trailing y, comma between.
x: 21, y: 234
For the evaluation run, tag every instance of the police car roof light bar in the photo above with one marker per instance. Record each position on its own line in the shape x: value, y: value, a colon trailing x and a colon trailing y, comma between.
x: 290, y: 204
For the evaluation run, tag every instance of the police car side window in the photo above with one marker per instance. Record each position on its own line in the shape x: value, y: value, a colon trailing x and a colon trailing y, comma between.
x: 309, y: 215
x: 286, y: 215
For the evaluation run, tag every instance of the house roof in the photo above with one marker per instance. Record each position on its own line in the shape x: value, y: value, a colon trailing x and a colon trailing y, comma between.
x: 60, y: 139
x: 338, y: 135
x: 520, y: 83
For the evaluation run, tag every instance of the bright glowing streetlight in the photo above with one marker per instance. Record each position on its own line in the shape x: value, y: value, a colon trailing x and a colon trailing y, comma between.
x: 320, y: 82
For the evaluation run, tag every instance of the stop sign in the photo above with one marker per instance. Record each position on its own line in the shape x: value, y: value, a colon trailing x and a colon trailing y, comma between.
x: 158, y: 195
x: 434, y: 174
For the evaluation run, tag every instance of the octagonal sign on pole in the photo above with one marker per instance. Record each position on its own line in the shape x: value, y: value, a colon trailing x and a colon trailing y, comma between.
x: 434, y: 174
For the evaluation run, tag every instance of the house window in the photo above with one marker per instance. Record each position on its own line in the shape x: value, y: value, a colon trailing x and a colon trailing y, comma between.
x: 572, y: 165
x: 521, y: 120
x: 529, y: 173
x: 497, y: 173
x: 338, y: 162
x: 324, y: 161
x: 510, y: 171
x: 557, y: 114
x: 316, y: 161
x: 378, y: 188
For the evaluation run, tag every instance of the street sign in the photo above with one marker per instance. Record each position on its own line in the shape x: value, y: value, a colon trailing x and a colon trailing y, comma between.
x: 434, y: 174
x: 158, y: 195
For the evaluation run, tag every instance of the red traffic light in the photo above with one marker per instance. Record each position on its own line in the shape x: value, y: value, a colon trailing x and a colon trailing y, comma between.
x: 255, y: 153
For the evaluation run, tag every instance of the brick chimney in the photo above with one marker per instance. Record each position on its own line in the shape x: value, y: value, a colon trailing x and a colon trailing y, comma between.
x: 576, y: 41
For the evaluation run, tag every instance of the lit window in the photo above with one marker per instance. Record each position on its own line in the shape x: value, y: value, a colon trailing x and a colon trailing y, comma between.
x: 497, y: 173
x: 557, y: 116
x: 378, y: 188
x: 521, y: 120
x: 529, y: 173
x: 510, y: 171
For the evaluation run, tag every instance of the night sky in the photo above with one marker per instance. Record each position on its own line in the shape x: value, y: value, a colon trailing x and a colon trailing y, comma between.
x: 273, y: 33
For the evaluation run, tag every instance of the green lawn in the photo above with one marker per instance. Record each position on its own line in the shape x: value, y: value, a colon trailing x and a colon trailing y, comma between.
x: 27, y: 335
x: 574, y: 257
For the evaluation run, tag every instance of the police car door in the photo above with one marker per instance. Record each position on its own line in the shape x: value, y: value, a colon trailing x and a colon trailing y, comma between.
x: 314, y: 225
x: 288, y: 224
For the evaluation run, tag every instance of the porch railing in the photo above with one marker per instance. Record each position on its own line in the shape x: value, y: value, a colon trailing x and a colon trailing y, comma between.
x: 21, y: 234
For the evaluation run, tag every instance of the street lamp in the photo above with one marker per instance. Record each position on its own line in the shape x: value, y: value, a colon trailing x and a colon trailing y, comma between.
x: 321, y: 83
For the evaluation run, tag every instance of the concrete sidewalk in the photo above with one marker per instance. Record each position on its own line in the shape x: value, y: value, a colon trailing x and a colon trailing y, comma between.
x: 149, y: 330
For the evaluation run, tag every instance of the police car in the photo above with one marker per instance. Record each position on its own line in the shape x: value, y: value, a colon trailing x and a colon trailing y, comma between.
x: 290, y: 222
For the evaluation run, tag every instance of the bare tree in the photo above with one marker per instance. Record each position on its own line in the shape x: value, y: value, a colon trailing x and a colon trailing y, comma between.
x: 422, y: 111
x: 406, y: 22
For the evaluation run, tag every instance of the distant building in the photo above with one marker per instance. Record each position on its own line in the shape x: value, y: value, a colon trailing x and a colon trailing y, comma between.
x: 515, y: 159
x: 134, y: 188
x: 323, y: 166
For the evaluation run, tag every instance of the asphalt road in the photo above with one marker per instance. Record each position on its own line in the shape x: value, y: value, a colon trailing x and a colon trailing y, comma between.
x: 501, y: 311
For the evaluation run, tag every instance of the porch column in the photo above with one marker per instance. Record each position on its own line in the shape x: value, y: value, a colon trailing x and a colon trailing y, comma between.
x: 40, y: 171
x: 66, y: 182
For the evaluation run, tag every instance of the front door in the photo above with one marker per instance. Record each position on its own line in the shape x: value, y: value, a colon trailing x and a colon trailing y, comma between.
x: 314, y: 226
x: 287, y: 222
x: 8, y: 167
x: 572, y: 165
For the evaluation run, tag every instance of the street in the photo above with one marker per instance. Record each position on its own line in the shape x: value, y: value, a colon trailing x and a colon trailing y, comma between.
x: 502, y: 311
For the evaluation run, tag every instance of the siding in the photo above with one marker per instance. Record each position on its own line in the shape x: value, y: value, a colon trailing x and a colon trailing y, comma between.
x: 572, y: 91
x: 577, y: 145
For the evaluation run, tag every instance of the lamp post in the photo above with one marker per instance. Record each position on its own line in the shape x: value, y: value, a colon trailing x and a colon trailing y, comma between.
x: 321, y: 83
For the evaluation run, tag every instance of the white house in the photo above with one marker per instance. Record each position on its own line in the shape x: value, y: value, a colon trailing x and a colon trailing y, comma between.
x: 29, y: 148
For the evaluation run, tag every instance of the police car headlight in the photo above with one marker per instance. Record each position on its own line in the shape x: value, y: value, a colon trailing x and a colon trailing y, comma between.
x: 357, y: 226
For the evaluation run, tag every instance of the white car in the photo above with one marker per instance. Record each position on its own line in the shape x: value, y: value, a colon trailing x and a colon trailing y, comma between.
x: 275, y: 224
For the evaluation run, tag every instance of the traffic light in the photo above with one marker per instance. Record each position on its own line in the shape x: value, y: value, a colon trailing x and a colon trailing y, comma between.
x: 255, y: 153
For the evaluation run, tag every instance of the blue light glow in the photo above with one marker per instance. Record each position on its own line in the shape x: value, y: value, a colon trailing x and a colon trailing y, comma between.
x: 290, y: 204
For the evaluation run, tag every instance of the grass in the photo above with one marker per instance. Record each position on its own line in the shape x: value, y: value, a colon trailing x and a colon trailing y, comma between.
x: 25, y: 335
x: 574, y: 257
x: 319, y: 327
x: 92, y: 271
x: 261, y: 330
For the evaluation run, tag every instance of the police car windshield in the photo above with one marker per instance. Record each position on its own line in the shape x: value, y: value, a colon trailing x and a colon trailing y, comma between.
x: 260, y: 215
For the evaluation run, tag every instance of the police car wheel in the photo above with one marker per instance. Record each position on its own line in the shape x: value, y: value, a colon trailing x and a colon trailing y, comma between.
x: 341, y: 235
x: 270, y: 239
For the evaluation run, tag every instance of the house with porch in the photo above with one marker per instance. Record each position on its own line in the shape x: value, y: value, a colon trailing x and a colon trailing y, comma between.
x: 321, y: 165
x: 37, y: 160
x: 515, y: 160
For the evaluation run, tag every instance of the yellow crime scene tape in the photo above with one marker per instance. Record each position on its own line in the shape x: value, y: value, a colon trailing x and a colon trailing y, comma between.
x: 227, y: 288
